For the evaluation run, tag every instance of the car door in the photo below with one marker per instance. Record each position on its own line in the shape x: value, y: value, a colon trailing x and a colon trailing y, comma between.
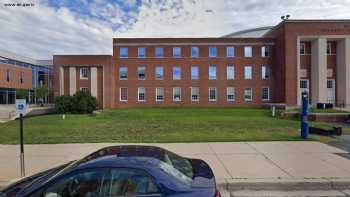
x: 132, y: 182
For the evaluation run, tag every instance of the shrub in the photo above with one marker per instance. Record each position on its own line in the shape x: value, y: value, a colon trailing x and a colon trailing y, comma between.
x: 21, y: 93
x: 80, y: 103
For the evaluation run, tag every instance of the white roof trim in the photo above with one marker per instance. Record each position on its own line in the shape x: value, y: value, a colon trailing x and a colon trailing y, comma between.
x: 14, y: 56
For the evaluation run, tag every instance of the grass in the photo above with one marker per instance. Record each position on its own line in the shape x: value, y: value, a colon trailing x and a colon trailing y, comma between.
x: 155, y: 125
x: 315, y: 110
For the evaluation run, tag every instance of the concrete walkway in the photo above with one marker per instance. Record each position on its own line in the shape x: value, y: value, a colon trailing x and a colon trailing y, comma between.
x: 237, y: 162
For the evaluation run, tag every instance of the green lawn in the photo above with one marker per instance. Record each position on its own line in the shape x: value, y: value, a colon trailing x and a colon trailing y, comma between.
x: 155, y: 125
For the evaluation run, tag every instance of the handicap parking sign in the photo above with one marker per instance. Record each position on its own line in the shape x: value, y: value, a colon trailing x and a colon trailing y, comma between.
x: 21, y: 106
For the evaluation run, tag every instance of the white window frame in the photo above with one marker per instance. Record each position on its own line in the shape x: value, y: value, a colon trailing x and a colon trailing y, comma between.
x: 139, y: 50
x: 138, y: 74
x: 195, y: 100
x: 155, y: 72
x: 81, y: 72
x: 192, y: 67
x: 209, y: 77
x: 216, y: 51
x: 248, y: 49
x: 84, y: 89
x: 180, y: 55
x: 228, y: 76
x: 138, y: 94
x: 120, y: 94
x: 120, y: 52
x: 157, y: 91
x: 174, y: 76
x: 304, y: 46
x: 267, y: 70
x: 227, y: 94
x: 268, y: 93
x: 265, y: 49
x: 174, y: 88
x: 227, y: 50
x: 251, y: 94
x: 251, y: 73
x: 193, y: 56
x: 307, y: 83
x: 127, y: 73
x: 216, y: 94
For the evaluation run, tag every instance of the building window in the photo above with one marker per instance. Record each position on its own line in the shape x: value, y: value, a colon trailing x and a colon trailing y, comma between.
x: 194, y: 93
x: 265, y: 94
x: 194, y: 72
x: 159, y: 52
x: 302, y: 49
x: 304, y: 84
x: 123, y: 52
x: 177, y: 52
x: 21, y: 76
x: 141, y: 52
x: 8, y: 75
x: 329, y: 84
x: 265, y: 51
x: 141, y: 72
x: 230, y: 51
x: 194, y: 52
x: 248, y: 51
x: 84, y: 73
x: 123, y: 73
x: 265, y: 72
x: 212, y: 94
x: 212, y: 51
x: 248, y: 94
x: 248, y: 72
x: 123, y: 94
x: 84, y: 89
x: 176, y: 94
x: 329, y: 48
x: 230, y: 72
x: 212, y: 72
x: 230, y: 93
x: 159, y: 94
x: 159, y: 72
x: 176, y: 73
x: 141, y: 94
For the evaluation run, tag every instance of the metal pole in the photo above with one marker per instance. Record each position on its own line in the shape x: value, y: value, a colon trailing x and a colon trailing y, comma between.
x: 22, y: 148
x: 304, y: 120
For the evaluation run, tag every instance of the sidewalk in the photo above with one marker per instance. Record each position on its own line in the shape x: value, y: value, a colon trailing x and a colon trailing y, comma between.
x: 236, y: 163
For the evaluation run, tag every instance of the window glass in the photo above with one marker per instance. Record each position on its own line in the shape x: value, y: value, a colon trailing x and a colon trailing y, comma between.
x: 177, y: 52
x: 194, y: 52
x: 212, y: 51
x: 230, y: 51
x: 131, y: 182
x: 195, y: 93
x: 194, y: 72
x: 84, y: 73
x: 212, y: 94
x: 230, y: 72
x: 230, y: 93
x: 248, y: 94
x: 302, y: 49
x: 84, y: 89
x: 177, y: 94
x: 176, y: 73
x: 159, y: 94
x: 248, y: 51
x: 248, y: 72
x: 265, y: 95
x: 21, y: 77
x: 159, y: 72
x: 212, y: 72
x: 141, y: 72
x: 304, y: 84
x: 141, y: 94
x: 123, y: 52
x: 7, y: 75
x: 88, y: 183
x: 265, y: 51
x: 123, y: 72
x: 265, y: 72
x: 141, y: 52
x: 329, y: 48
x: 159, y: 52
x: 123, y: 94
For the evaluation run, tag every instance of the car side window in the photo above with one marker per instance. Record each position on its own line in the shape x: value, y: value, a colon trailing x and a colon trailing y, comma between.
x: 131, y: 182
x: 83, y: 184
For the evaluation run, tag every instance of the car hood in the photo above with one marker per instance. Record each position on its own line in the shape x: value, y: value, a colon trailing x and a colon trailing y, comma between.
x: 203, y: 176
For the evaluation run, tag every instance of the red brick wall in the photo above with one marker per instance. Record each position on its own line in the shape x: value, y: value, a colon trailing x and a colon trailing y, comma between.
x: 15, y: 72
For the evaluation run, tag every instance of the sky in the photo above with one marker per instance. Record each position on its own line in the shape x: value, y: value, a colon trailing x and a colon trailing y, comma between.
x: 48, y: 27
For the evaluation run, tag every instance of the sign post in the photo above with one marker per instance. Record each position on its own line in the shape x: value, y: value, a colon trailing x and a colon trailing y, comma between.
x: 21, y: 108
x: 304, y: 114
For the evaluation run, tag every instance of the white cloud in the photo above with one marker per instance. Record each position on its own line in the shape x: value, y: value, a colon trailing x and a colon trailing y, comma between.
x: 41, y: 31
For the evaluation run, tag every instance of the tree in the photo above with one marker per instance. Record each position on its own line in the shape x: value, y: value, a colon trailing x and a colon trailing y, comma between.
x: 41, y: 92
x: 21, y: 93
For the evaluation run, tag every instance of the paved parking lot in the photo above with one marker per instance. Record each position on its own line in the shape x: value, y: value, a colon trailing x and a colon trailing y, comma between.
x: 231, y: 162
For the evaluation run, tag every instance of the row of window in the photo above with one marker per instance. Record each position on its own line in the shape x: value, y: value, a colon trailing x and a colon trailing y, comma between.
x: 212, y: 96
x: 177, y: 52
x: 303, y: 49
x: 212, y: 72
x: 21, y: 76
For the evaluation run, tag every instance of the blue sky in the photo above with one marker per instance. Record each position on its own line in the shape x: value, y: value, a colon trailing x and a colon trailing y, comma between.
x: 88, y: 26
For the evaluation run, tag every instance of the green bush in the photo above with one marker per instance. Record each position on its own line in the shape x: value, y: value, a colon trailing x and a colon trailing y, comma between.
x: 80, y: 103
x: 21, y: 93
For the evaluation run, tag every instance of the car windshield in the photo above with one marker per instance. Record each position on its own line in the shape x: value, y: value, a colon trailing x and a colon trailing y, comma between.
x: 181, y: 164
x: 169, y: 169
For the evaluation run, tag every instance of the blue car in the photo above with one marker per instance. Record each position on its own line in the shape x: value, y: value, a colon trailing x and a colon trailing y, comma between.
x: 116, y: 171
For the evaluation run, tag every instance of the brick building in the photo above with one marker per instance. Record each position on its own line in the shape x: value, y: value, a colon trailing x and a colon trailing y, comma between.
x: 246, y: 68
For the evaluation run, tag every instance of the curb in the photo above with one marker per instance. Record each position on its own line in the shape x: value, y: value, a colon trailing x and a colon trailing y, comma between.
x: 284, y: 184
